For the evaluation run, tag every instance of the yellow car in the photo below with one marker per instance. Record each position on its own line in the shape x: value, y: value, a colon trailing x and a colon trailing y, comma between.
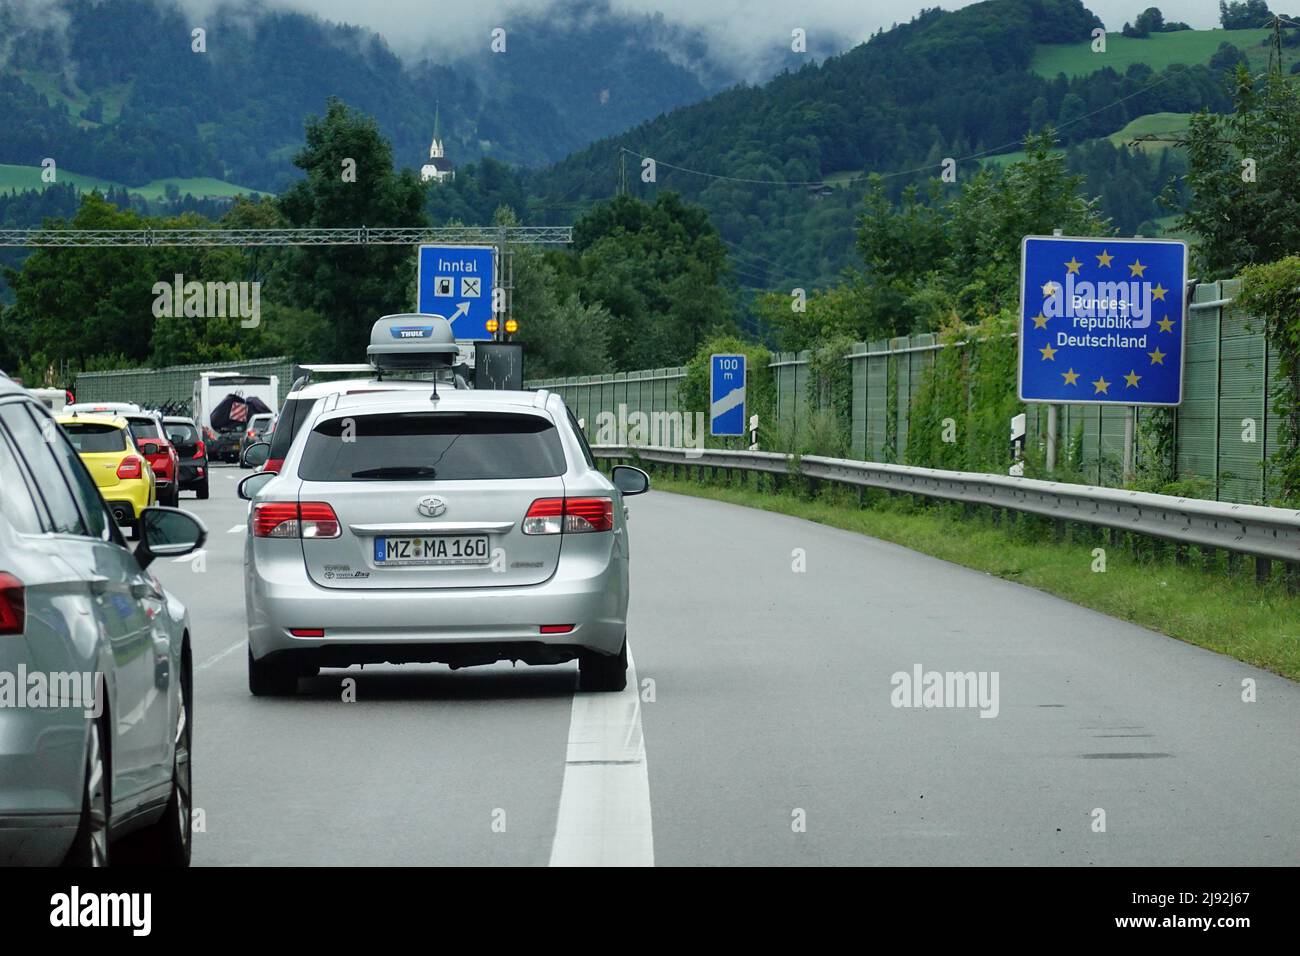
x: 121, y: 472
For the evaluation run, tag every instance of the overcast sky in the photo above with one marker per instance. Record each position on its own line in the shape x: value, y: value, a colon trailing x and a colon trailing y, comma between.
x: 740, y: 26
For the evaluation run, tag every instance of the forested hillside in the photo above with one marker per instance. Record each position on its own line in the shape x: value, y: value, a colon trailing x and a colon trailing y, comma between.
x: 116, y: 89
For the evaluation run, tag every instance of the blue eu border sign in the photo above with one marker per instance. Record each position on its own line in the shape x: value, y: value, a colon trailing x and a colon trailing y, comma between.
x: 726, y: 395
x: 1102, y: 321
x: 456, y: 283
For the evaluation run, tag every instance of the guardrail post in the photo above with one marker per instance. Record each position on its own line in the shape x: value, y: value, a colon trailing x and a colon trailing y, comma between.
x: 1058, y: 530
x: 1263, y: 570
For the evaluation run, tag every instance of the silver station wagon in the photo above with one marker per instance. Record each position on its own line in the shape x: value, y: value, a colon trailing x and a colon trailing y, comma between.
x: 455, y: 526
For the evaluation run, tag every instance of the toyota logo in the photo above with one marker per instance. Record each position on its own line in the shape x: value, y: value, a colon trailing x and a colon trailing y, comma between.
x: 432, y: 506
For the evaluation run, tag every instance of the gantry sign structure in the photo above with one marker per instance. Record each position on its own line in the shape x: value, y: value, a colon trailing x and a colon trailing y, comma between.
x: 501, y: 238
x: 347, y: 236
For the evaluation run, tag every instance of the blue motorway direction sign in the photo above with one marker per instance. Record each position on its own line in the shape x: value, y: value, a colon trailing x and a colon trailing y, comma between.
x: 726, y: 395
x: 1102, y: 321
x: 456, y: 283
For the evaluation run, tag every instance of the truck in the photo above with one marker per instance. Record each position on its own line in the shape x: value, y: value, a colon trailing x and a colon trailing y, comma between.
x: 223, y: 404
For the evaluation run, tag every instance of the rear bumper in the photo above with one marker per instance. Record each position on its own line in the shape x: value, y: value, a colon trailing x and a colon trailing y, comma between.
x: 42, y: 761
x: 124, y: 512
x: 453, y: 625
x: 193, y: 474
x: 36, y: 839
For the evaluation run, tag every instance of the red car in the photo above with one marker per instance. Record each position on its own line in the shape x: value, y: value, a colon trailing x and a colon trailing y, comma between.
x: 147, y: 430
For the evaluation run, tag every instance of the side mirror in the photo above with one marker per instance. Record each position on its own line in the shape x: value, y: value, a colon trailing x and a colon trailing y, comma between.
x: 150, y: 448
x: 168, y: 533
x: 256, y: 454
x: 249, y: 488
x: 631, y: 481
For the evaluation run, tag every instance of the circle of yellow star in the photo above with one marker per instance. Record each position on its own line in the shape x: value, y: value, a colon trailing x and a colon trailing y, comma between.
x: 1103, y: 260
x: 1101, y: 385
x: 1166, y: 324
x: 1048, y: 352
x: 1073, y: 265
x: 1040, y: 321
x: 1137, y: 269
x: 1071, y: 377
x: 1132, y: 378
x: 1157, y: 357
x: 1159, y: 292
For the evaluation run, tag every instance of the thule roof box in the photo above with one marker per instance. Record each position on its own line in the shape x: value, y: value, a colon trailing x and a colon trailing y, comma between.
x: 412, y: 342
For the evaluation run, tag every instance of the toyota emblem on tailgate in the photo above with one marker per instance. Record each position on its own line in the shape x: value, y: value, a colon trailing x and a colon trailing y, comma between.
x: 432, y: 506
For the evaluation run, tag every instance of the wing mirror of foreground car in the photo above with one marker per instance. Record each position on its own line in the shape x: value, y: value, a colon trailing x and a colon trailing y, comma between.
x: 631, y: 481
x: 255, y: 455
x: 250, y: 486
x: 168, y: 533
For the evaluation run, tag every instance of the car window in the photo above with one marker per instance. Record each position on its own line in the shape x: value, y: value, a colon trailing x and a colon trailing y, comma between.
x: 143, y: 428
x: 292, y: 415
x: 65, y: 516
x: 92, y: 437
x: 17, y: 500
x: 582, y: 438
x: 447, y: 446
x: 182, y: 434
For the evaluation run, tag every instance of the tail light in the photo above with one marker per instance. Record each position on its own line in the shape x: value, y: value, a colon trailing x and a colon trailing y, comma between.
x: 200, y: 449
x: 289, y: 519
x: 569, y: 516
x: 273, y: 464
x: 555, y: 628
x: 13, y: 604
x: 249, y: 434
x: 131, y: 467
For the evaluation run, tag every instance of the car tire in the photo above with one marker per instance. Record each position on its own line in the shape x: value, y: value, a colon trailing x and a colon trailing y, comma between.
x: 202, y: 491
x: 271, y: 677
x: 173, y: 497
x: 90, y: 845
x: 603, y: 672
x: 168, y: 841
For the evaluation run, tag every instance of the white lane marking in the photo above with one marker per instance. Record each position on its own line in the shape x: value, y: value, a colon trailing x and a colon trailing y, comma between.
x: 216, y: 657
x: 236, y: 529
x: 604, y: 817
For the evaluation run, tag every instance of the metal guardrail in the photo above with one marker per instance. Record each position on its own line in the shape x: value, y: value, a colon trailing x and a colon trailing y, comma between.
x: 1268, y: 533
x: 350, y: 236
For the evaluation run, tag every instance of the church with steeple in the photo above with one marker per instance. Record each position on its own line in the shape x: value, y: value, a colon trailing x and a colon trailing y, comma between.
x: 438, y: 168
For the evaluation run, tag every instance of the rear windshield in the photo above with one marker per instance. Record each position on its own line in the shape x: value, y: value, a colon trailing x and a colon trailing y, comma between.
x: 89, y: 438
x: 181, y: 433
x: 144, y: 428
x: 448, y: 446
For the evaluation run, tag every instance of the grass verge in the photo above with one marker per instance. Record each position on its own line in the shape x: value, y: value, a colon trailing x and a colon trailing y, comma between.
x: 1208, y: 601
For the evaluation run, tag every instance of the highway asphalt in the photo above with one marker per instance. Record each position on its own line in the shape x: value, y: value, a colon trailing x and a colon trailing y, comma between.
x: 765, y: 726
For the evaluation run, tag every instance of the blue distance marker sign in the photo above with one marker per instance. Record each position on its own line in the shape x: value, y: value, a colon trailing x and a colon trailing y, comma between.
x: 726, y: 395
x: 1102, y: 321
x: 456, y: 283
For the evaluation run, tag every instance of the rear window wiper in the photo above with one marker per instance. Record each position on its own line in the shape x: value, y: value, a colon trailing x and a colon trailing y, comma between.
x: 398, y: 471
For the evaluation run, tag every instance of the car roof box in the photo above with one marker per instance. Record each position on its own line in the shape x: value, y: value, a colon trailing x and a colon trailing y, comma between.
x: 410, y: 342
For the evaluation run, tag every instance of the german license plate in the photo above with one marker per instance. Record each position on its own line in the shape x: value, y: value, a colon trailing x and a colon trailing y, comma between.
x: 439, y: 549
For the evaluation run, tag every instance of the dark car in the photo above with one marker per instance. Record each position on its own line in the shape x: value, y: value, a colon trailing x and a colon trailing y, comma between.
x: 259, y: 429
x: 193, y: 451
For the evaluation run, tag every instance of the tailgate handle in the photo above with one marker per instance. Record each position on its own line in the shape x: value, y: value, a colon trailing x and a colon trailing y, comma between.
x: 433, y: 527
